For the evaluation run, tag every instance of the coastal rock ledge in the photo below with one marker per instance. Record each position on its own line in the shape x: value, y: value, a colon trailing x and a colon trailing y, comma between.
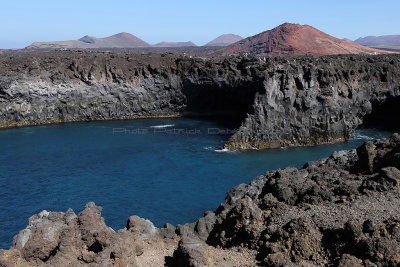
x: 338, y: 211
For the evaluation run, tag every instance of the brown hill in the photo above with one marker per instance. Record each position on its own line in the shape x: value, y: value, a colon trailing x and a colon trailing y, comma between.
x: 174, y: 44
x: 224, y: 40
x: 297, y: 40
x: 120, y: 40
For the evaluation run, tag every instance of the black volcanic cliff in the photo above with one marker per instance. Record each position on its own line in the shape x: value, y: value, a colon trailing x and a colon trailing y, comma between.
x: 280, y: 101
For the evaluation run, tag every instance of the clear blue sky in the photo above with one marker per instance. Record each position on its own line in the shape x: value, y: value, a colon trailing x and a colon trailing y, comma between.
x: 25, y: 21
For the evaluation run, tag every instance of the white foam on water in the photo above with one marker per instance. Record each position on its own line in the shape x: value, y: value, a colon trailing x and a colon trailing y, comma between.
x: 362, y: 137
x: 162, y: 126
x: 101, y: 127
x: 223, y: 150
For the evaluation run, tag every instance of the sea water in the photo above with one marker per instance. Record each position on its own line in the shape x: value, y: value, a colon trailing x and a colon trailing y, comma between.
x: 165, y: 170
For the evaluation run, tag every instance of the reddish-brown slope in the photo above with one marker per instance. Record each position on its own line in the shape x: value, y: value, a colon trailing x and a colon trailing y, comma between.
x: 298, y: 40
x: 122, y: 39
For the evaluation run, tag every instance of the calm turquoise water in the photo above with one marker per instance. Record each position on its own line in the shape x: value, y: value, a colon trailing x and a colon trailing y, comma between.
x: 131, y: 167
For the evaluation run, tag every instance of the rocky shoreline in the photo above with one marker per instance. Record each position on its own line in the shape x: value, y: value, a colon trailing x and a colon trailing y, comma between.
x: 338, y: 211
x: 279, y: 101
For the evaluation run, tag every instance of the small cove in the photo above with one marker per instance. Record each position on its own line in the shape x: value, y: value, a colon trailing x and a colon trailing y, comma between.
x: 166, y: 170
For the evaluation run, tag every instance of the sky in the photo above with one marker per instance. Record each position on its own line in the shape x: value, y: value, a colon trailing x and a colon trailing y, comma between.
x: 25, y: 21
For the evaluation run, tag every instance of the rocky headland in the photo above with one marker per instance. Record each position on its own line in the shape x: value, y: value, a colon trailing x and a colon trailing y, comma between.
x: 337, y: 211
x: 277, y: 101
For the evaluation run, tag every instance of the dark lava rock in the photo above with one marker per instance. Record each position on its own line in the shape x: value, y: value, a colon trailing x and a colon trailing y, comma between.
x: 349, y: 261
x: 191, y: 252
x: 141, y: 227
x: 65, y: 239
x: 366, y: 154
x: 330, y: 212
x: 168, y: 231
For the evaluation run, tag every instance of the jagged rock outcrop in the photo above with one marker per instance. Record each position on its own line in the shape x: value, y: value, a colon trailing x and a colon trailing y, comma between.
x: 316, y: 101
x: 338, y: 211
x: 277, y: 101
x: 67, y: 239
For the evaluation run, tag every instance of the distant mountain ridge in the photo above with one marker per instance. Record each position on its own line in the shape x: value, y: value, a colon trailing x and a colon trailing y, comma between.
x: 285, y: 39
x: 120, y: 40
x: 174, y: 44
x: 126, y: 40
x: 296, y: 39
x: 376, y: 41
x: 224, y: 40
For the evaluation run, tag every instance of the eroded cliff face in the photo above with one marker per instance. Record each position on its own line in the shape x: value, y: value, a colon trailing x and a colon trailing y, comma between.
x: 76, y: 86
x: 317, y: 100
x: 277, y: 101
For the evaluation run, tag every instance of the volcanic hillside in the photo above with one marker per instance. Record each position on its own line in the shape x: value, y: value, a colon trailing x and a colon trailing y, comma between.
x: 297, y: 40
x: 224, y: 40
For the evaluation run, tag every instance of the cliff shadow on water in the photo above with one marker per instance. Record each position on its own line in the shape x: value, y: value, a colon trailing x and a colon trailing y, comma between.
x: 224, y: 103
x: 385, y: 115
